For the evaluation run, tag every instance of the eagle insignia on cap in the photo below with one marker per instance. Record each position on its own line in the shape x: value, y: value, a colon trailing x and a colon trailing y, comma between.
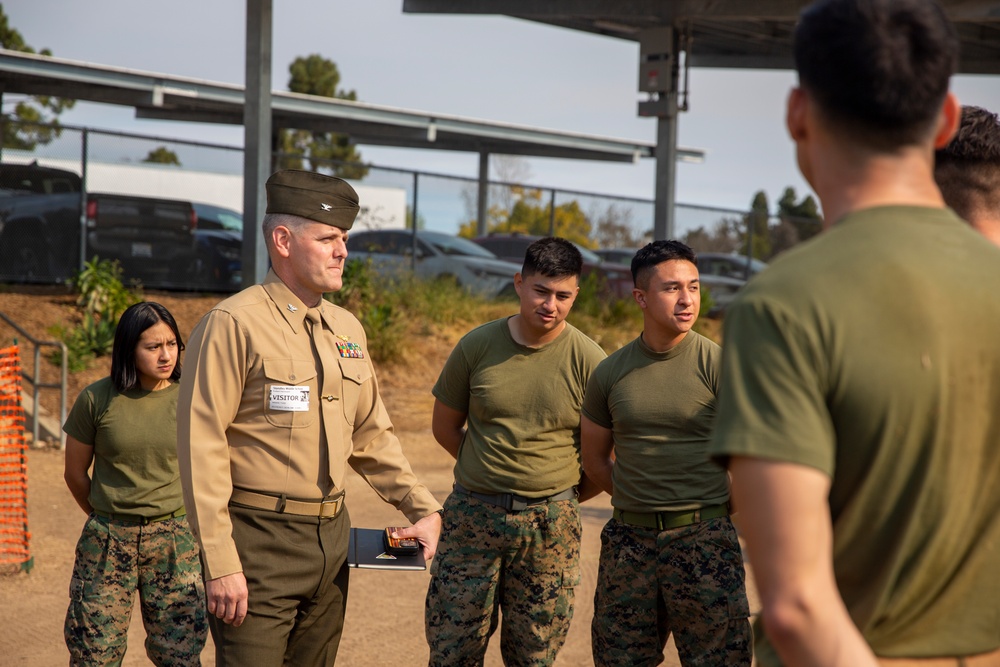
x: 326, y: 207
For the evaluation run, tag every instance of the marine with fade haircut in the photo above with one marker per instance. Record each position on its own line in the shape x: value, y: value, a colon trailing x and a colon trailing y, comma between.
x: 968, y: 171
x: 670, y: 558
x: 507, y: 407
x: 857, y: 411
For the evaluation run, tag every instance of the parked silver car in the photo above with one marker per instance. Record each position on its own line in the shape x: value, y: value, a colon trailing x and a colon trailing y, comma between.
x: 438, y: 255
x: 729, y: 265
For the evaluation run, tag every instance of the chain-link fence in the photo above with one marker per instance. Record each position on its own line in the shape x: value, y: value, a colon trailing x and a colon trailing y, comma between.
x: 168, y: 209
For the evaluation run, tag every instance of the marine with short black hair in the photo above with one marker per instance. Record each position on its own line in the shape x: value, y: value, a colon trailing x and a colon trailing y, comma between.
x: 507, y: 407
x: 968, y: 171
x: 670, y: 558
x: 858, y: 407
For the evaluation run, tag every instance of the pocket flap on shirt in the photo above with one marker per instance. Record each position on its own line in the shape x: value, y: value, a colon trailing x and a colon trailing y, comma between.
x: 355, y: 370
x: 289, y: 371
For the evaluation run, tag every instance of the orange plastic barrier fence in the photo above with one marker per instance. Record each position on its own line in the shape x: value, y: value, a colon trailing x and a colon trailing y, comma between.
x: 14, y: 535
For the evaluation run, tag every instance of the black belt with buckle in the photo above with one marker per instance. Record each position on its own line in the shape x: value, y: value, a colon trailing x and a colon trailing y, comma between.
x: 513, y: 502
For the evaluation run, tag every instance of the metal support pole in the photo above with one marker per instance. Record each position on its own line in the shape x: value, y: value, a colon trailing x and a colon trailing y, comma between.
x: 552, y: 213
x: 84, y: 151
x: 256, y: 137
x: 482, y: 201
x: 659, y: 57
x: 36, y: 406
x: 413, y: 247
x: 666, y: 171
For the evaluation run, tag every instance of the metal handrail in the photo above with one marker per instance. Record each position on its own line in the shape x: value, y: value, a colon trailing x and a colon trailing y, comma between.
x: 37, y: 386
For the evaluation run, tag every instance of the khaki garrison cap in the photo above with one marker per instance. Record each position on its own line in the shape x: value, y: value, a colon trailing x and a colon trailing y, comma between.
x: 318, y: 197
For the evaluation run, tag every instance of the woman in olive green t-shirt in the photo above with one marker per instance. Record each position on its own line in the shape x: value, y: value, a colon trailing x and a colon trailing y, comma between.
x: 136, y: 537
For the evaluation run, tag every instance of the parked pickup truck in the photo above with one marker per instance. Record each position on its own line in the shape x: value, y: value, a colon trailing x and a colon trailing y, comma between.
x: 40, y: 221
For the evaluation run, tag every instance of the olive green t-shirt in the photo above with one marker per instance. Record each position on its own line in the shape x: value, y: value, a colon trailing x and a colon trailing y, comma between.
x: 870, y: 353
x: 134, y: 436
x: 523, y: 407
x: 660, y: 407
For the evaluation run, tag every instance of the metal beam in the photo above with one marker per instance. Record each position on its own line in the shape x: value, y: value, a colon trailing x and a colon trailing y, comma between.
x: 257, y: 138
x: 178, y: 98
x: 482, y: 200
x: 614, y: 11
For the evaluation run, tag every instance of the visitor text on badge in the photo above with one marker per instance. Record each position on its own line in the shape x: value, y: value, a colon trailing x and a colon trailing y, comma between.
x: 289, y: 399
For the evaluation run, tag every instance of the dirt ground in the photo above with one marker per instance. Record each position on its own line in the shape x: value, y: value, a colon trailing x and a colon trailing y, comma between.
x: 385, y: 609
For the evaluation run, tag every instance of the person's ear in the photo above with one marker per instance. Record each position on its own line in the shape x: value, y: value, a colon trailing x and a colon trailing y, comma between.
x: 796, y: 110
x: 948, y: 121
x: 281, y: 238
x: 639, y: 296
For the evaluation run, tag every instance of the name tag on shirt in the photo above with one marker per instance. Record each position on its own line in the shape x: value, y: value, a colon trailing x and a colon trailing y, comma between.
x: 289, y: 399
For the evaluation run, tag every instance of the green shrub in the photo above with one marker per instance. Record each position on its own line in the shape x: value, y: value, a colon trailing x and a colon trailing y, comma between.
x: 103, y: 298
x: 396, y: 312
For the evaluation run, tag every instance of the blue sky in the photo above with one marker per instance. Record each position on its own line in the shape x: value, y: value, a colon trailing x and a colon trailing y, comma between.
x: 485, y: 67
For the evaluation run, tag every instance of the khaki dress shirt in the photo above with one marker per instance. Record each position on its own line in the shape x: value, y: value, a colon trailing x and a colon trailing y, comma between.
x: 262, y: 410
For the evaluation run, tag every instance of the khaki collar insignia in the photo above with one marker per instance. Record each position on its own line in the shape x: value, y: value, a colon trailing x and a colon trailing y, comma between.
x: 292, y: 308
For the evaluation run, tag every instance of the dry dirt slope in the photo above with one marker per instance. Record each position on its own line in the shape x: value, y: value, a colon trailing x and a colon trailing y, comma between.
x: 32, y: 606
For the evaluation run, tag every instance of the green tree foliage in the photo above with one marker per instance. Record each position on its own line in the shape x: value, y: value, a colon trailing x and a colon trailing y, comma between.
x: 756, y: 236
x: 38, y: 115
x: 529, y: 215
x: 316, y: 75
x: 102, y: 299
x: 803, y: 216
x: 162, y: 155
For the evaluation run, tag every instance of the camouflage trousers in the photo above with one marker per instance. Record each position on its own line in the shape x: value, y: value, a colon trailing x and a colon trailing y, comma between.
x: 113, y: 561
x: 524, y: 564
x: 687, y: 581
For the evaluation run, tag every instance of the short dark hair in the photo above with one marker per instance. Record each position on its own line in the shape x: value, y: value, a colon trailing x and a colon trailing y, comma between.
x: 657, y: 252
x: 877, y: 68
x: 968, y: 169
x: 134, y: 321
x: 553, y: 257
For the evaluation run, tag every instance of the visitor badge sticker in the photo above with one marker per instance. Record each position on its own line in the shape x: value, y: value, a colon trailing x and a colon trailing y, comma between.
x: 289, y: 399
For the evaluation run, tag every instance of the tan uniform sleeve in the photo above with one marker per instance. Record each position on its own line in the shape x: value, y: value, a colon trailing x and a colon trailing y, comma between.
x: 377, y: 456
x: 210, y: 393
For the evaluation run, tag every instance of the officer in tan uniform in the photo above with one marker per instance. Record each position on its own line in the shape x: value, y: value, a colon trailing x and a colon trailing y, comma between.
x: 278, y: 396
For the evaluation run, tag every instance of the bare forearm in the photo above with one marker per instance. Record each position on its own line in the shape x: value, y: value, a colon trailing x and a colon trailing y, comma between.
x: 588, y: 488
x: 814, y: 634
x: 785, y: 519
x: 450, y: 440
x: 599, y: 472
x: 79, y: 486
